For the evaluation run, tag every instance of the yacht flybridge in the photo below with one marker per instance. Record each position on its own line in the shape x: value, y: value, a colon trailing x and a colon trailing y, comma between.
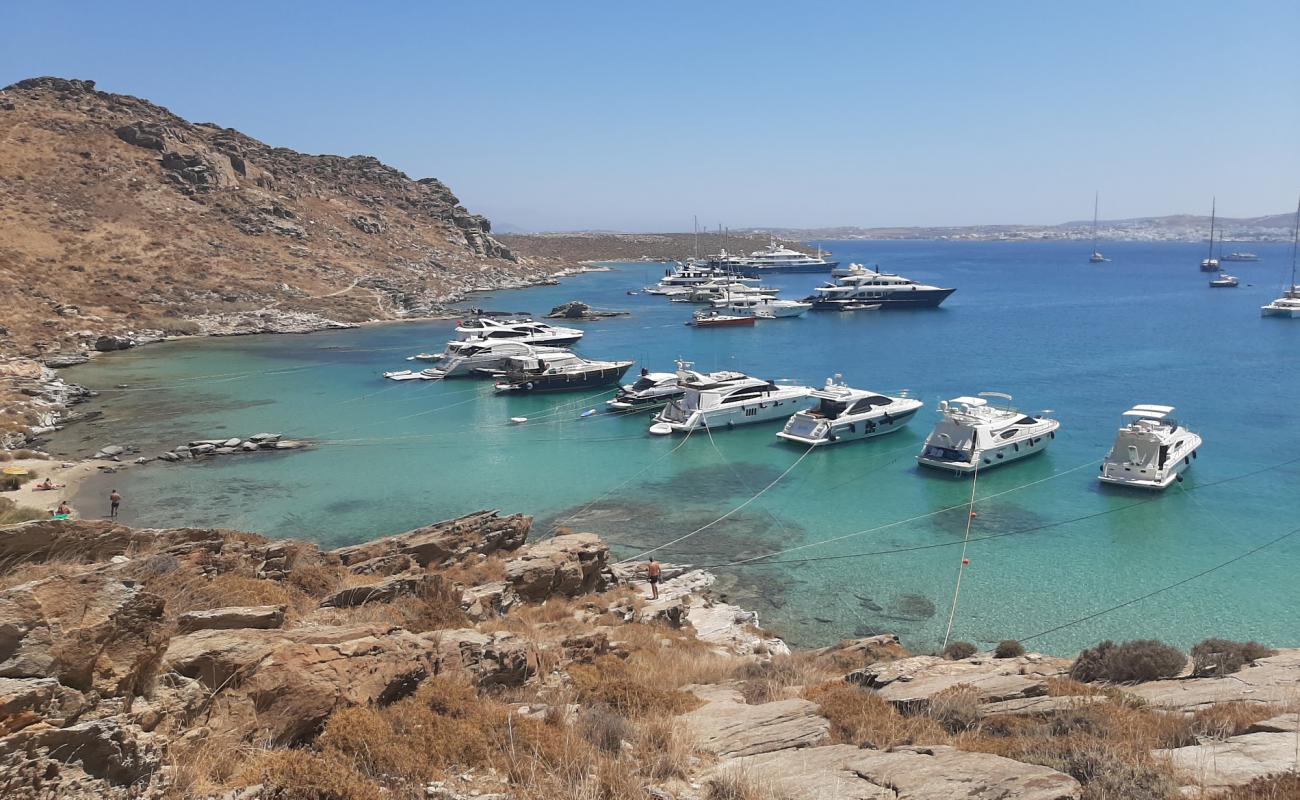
x: 1151, y: 450
x: 518, y: 330
x: 482, y: 356
x: 778, y: 258
x: 723, y: 400
x: 974, y: 435
x: 847, y: 414
x: 558, y: 372
x: 874, y: 287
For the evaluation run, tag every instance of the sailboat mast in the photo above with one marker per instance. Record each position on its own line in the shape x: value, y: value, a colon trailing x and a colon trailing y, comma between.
x: 696, y: 228
x: 1212, y: 204
x: 1096, y: 198
x: 1295, y: 240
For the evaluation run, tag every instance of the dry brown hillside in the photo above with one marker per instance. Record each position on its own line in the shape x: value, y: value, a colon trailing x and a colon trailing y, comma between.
x: 117, y: 215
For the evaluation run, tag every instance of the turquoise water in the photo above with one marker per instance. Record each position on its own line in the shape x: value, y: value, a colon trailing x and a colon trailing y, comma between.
x: 1034, y: 320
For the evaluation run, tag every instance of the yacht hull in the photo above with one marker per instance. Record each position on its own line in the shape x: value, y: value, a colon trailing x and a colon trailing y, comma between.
x: 567, y: 382
x: 754, y: 272
x: 1288, y: 313
x: 921, y: 298
x: 1117, y: 473
x: 727, y: 418
x: 992, y: 457
x: 853, y: 431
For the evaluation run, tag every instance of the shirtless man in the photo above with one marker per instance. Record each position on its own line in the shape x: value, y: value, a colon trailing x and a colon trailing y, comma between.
x: 114, y: 500
x: 652, y: 572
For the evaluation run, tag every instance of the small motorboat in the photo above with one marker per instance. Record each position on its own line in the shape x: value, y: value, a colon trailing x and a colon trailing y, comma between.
x: 653, y: 390
x: 712, y: 318
x: 410, y: 375
x: 845, y: 414
x: 860, y: 307
x: 1151, y: 450
x: 1223, y: 282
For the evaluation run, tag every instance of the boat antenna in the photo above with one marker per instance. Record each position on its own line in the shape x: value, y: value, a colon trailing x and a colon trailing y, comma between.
x: 1096, y: 198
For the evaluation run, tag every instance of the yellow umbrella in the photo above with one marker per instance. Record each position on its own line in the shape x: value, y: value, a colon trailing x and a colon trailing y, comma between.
x: 14, y: 471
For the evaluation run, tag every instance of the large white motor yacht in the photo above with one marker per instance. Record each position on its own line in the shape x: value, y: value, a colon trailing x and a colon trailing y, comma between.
x: 973, y: 434
x: 520, y: 330
x: 719, y: 292
x: 778, y: 258
x: 482, y: 356
x: 847, y: 414
x: 764, y: 306
x: 875, y: 287
x: 1151, y: 450
x: 655, y: 389
x: 726, y: 399
x: 685, y: 276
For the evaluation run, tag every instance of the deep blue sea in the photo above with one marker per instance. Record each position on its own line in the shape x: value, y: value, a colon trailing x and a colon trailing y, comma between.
x: 1031, y: 319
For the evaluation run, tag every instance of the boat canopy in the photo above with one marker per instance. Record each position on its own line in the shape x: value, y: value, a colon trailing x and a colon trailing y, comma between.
x: 1146, y: 411
x: 970, y: 401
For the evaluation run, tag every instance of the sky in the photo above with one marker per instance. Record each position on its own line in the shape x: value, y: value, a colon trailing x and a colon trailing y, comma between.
x: 639, y: 116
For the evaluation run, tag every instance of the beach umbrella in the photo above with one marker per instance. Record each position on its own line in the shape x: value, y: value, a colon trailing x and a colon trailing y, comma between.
x: 15, y: 471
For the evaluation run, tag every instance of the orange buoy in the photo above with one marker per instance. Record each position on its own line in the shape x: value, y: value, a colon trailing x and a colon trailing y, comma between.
x: 965, y: 561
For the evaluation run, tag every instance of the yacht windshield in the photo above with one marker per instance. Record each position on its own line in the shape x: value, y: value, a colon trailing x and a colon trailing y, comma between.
x: 831, y: 408
x: 642, y: 384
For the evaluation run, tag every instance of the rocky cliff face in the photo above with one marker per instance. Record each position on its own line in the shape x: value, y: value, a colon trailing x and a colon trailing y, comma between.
x: 120, y: 216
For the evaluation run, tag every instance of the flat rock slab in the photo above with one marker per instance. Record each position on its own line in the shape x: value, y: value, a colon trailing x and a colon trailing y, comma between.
x: 995, y: 679
x: 1237, y: 761
x: 1041, y: 705
x: 1282, y: 723
x: 1269, y: 680
x: 729, y: 727
x: 261, y: 617
x: 844, y: 772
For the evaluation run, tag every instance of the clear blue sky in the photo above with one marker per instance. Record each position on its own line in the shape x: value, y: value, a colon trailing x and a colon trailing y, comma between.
x: 635, y: 116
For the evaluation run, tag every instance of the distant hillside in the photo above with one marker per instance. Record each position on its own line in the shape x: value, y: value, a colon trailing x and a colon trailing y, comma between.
x: 608, y: 246
x: 117, y: 215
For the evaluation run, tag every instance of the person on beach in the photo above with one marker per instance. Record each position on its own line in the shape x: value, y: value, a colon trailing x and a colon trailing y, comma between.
x: 652, y: 572
x: 64, y: 510
x: 114, y: 500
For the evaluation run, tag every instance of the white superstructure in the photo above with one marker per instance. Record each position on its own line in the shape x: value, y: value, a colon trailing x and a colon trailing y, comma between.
x: 764, y: 306
x: 778, y: 258
x: 1151, y: 450
x: 847, y: 414
x: 472, y: 356
x: 520, y: 330
x: 974, y: 434
x: 872, y: 286
x: 1288, y: 305
x: 724, y: 400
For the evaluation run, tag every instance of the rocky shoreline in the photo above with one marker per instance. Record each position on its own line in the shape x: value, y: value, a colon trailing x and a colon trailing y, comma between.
x: 219, y: 664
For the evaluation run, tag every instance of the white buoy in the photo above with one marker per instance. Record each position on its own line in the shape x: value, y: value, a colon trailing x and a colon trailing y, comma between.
x: 661, y: 429
x: 589, y: 412
x: 519, y: 420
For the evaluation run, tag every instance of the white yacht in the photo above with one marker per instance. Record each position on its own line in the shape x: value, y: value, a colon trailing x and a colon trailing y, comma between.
x: 847, y: 414
x: 778, y: 258
x: 975, y: 435
x: 1151, y: 450
x: 655, y: 389
x: 764, y: 306
x: 411, y: 375
x: 685, y: 276
x: 526, y: 330
x: 1243, y: 256
x: 727, y: 399
x: 1288, y: 305
x: 721, y: 291
x: 482, y: 356
x: 872, y: 287
x: 558, y: 372
x: 1210, y: 263
x: 1096, y: 257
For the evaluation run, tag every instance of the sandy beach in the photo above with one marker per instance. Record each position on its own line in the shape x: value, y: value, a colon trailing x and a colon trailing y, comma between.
x: 72, y: 474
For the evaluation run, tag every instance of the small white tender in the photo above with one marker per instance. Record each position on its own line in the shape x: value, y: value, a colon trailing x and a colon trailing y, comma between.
x: 976, y: 435
x: 846, y: 414
x: 1151, y: 450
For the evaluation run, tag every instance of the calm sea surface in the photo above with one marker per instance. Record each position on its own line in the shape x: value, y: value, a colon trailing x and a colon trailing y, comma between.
x: 1034, y: 320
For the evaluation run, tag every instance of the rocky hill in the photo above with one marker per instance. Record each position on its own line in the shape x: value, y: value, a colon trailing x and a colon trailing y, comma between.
x: 118, y: 216
x: 462, y: 661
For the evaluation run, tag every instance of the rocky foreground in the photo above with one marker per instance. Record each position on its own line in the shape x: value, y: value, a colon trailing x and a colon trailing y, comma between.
x: 462, y: 660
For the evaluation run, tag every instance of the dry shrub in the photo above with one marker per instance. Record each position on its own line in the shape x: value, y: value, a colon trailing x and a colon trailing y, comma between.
x: 860, y: 717
x: 765, y: 681
x: 207, y: 766
x: 304, y: 775
x: 739, y: 784
x: 956, y: 709
x: 314, y: 578
x: 663, y: 749
x: 185, y: 590
x: 956, y: 651
x: 605, y: 730
x: 1272, y: 787
x: 11, y: 513
x: 613, y: 683
x: 1224, y: 656
x: 1222, y: 720
x: 1009, y: 648
x: 1131, y: 662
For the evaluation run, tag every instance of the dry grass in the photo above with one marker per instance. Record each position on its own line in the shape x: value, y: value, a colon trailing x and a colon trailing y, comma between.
x: 860, y: 717
x: 11, y: 513
x: 1275, y: 787
x: 956, y: 709
x: 624, y: 687
x: 26, y: 571
x: 184, y: 590
x: 739, y: 784
x: 664, y: 750
x: 1222, y: 720
x: 305, y: 775
x: 782, y: 676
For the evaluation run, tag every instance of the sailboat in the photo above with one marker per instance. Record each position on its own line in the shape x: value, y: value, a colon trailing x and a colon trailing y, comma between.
x: 1288, y: 305
x: 1210, y: 263
x: 1096, y: 257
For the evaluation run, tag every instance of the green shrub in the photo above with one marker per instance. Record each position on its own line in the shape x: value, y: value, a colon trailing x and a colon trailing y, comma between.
x: 1224, y: 656
x: 1130, y: 662
x: 1009, y: 648
x: 956, y: 651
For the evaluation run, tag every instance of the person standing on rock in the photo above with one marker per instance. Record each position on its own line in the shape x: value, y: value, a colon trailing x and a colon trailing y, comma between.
x: 652, y: 570
x: 114, y: 500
